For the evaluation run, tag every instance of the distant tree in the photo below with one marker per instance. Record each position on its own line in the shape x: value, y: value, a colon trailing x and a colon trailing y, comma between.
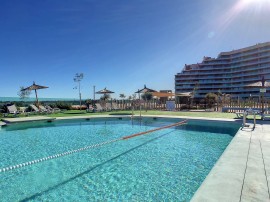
x: 211, y: 99
x: 225, y: 99
x: 23, y: 94
x: 147, y: 97
x: 219, y: 99
x: 122, y: 95
x: 134, y: 96
x: 193, y: 93
x: 89, y: 102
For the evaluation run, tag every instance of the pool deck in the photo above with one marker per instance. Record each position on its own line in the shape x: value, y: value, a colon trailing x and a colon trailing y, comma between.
x: 2, y: 123
x: 241, y: 173
x: 27, y: 119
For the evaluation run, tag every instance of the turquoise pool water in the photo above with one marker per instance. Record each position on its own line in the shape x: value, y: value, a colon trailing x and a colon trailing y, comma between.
x: 167, y: 165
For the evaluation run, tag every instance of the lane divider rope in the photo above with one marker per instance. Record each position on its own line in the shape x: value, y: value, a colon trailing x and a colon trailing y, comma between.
x: 9, y: 168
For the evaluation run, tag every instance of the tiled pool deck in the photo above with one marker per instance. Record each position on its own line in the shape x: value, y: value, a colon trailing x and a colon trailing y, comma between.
x: 242, y: 172
x: 2, y: 123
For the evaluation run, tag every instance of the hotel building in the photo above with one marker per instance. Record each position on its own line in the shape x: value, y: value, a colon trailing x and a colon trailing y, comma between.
x: 229, y: 73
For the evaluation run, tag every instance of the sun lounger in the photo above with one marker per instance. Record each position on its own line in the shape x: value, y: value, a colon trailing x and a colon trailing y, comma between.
x: 12, y: 109
x: 44, y: 110
x: 90, y: 108
x: 35, y: 109
x: 99, y: 108
x: 108, y: 107
x: 53, y: 110
x: 114, y: 106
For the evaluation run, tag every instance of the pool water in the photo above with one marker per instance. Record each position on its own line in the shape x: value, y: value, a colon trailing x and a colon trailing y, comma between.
x: 166, y: 165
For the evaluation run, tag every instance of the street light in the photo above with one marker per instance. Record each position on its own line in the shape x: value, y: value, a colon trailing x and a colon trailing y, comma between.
x: 78, y: 77
x: 94, y: 92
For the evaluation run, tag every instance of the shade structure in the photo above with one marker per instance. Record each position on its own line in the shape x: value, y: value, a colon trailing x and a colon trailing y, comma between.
x: 262, y: 84
x: 145, y: 90
x: 160, y: 94
x: 186, y: 94
x: 104, y: 91
x: 34, y: 87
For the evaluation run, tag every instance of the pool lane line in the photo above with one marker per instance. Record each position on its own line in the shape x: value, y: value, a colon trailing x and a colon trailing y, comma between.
x: 150, y: 131
x: 21, y: 165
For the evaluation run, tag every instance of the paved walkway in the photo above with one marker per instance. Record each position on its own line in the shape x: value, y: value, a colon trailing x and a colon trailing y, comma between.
x: 243, y: 171
x: 2, y: 123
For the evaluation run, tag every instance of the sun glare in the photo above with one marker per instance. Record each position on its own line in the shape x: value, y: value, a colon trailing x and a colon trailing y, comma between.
x: 255, y: 1
x: 253, y: 8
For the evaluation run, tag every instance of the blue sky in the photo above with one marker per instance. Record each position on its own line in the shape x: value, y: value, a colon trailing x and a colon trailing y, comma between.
x: 118, y: 44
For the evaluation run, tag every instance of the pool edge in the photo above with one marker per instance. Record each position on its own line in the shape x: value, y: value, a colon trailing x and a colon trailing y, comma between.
x: 240, y: 172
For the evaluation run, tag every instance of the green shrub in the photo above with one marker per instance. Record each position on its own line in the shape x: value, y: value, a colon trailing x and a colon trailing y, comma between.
x: 61, y: 105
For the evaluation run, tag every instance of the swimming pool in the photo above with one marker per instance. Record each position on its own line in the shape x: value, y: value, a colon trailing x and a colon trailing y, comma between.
x: 166, y: 165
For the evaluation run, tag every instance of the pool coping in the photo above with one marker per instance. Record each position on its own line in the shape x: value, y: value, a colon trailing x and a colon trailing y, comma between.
x: 27, y: 119
x: 241, y: 173
x: 243, y: 170
x: 2, y: 123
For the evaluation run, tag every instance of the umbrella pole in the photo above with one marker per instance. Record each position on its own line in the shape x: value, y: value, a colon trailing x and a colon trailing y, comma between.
x: 80, y: 95
x: 36, y: 96
x: 140, y: 105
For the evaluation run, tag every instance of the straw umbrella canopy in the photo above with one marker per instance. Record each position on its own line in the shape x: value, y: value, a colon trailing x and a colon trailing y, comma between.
x: 104, y: 91
x: 262, y: 84
x: 145, y: 90
x: 34, y: 87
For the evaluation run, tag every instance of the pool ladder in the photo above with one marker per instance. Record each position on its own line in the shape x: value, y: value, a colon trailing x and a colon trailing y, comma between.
x: 245, y: 119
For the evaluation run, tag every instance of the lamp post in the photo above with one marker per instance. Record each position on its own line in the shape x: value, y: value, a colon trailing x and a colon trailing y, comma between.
x: 94, y: 92
x: 140, y: 104
x: 78, y: 78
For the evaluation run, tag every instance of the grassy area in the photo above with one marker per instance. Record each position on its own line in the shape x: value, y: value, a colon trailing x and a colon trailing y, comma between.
x: 150, y: 112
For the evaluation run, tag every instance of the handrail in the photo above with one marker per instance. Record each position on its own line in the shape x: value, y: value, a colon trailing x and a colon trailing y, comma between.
x: 246, y: 113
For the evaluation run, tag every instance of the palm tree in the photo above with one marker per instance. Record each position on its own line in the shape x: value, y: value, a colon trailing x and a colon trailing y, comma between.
x: 211, y: 99
x: 194, y: 93
x: 147, y: 97
x: 23, y: 94
x: 105, y: 97
x: 122, y: 95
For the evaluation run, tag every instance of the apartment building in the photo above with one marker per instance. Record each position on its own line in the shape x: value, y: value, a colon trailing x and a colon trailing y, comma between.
x: 229, y: 73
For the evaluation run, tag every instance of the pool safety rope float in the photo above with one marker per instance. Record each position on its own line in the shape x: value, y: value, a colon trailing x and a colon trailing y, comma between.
x: 8, y: 168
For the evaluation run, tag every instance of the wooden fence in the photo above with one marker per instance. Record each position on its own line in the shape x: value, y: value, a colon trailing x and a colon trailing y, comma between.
x: 230, y: 106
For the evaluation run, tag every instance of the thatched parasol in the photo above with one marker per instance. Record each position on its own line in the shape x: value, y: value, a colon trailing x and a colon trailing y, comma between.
x: 104, y: 91
x: 146, y: 90
x: 35, y: 87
